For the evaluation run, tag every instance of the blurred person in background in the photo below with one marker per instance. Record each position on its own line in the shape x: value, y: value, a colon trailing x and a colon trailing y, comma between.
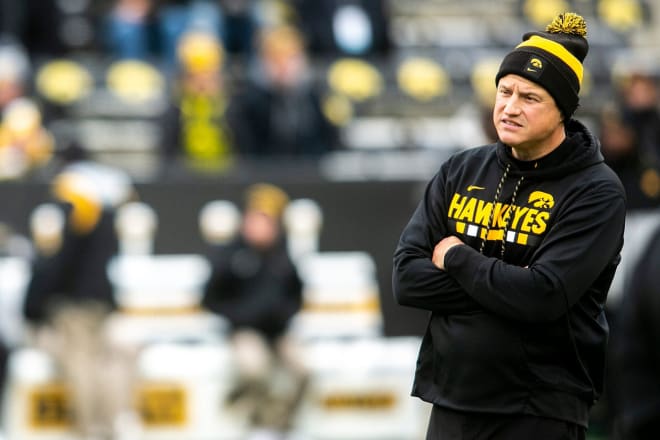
x: 277, y: 112
x: 635, y: 367
x: 255, y: 286
x: 231, y: 21
x: 618, y: 144
x: 631, y: 143
x: 25, y: 143
x: 130, y: 29
x: 195, y: 129
x: 621, y: 147
x: 15, y: 71
x: 69, y: 294
x: 513, y: 249
x: 88, y: 193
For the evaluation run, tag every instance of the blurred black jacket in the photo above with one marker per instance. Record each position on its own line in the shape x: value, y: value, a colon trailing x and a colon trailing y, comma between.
x: 254, y: 289
x: 76, y: 274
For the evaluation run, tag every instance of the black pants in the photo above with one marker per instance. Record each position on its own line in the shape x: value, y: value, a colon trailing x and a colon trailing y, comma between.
x: 446, y: 424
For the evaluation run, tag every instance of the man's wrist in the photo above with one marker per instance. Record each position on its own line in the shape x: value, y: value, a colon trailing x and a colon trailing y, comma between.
x: 448, y: 251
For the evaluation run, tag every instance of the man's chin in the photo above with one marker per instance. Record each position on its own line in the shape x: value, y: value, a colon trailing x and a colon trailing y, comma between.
x: 511, y: 141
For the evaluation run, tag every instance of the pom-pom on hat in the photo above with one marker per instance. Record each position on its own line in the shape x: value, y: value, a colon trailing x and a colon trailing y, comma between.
x: 553, y: 59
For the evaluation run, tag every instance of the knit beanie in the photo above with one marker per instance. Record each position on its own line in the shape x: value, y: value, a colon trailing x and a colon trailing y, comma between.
x: 553, y: 59
x: 267, y: 199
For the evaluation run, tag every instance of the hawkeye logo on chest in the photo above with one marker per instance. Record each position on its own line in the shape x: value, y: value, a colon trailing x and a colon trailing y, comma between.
x: 540, y: 199
x: 524, y: 224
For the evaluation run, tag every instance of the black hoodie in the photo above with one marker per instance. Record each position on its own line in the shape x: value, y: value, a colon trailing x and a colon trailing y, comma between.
x: 517, y: 323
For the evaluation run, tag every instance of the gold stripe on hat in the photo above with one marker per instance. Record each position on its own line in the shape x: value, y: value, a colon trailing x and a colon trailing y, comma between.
x: 557, y: 50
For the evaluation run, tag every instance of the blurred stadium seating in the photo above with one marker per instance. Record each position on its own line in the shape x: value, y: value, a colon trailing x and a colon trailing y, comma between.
x: 408, y: 98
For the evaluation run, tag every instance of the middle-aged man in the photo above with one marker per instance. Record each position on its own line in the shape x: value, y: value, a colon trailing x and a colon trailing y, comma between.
x: 512, y: 249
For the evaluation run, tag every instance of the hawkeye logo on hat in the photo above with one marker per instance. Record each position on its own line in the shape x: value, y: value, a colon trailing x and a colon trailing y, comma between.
x: 534, y: 66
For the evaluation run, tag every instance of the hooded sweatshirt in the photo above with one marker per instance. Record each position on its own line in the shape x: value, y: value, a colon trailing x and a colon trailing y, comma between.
x: 517, y: 324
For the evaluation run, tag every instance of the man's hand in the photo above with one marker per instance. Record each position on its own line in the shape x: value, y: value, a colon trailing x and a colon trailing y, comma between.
x: 441, y: 249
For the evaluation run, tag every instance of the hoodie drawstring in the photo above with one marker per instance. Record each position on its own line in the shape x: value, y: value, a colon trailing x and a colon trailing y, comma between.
x: 512, y: 207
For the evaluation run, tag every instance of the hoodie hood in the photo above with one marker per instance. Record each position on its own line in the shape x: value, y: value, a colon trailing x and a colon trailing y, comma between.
x: 579, y: 150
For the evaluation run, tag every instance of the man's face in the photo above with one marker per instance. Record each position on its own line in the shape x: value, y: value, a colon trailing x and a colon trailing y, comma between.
x: 526, y: 118
x: 259, y: 229
x: 203, y: 83
x: 641, y: 93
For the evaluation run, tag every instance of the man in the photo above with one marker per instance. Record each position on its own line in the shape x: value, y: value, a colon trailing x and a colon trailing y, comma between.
x: 640, y: 91
x: 255, y: 286
x: 195, y: 127
x: 73, y: 271
x: 512, y: 249
x: 69, y: 296
x: 278, y: 110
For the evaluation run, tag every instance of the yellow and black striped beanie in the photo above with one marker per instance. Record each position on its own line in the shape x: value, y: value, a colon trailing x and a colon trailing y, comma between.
x: 553, y: 59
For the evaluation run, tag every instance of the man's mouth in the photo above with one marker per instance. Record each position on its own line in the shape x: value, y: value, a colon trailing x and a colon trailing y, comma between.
x: 510, y: 123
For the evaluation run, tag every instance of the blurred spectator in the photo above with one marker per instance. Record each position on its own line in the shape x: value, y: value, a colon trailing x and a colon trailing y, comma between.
x: 25, y: 144
x: 279, y: 111
x: 255, y: 286
x: 232, y: 21
x: 344, y: 27
x: 619, y: 147
x: 74, y: 271
x: 635, y: 370
x: 630, y: 137
x: 130, y: 30
x: 178, y: 17
x: 617, y: 140
x: 641, y: 110
x: 194, y: 127
x: 69, y: 295
x: 14, y: 73
x: 254, y: 283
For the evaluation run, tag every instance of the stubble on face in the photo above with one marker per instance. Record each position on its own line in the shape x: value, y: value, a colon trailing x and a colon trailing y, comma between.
x: 527, y: 118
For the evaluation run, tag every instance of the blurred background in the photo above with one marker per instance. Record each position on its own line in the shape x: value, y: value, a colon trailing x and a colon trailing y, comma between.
x: 162, y: 161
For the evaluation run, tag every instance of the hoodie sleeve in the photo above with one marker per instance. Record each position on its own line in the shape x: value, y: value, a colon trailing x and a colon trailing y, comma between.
x: 579, y: 253
x: 416, y: 281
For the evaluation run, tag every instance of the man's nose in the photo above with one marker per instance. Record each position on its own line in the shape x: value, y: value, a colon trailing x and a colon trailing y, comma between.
x: 512, y: 105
